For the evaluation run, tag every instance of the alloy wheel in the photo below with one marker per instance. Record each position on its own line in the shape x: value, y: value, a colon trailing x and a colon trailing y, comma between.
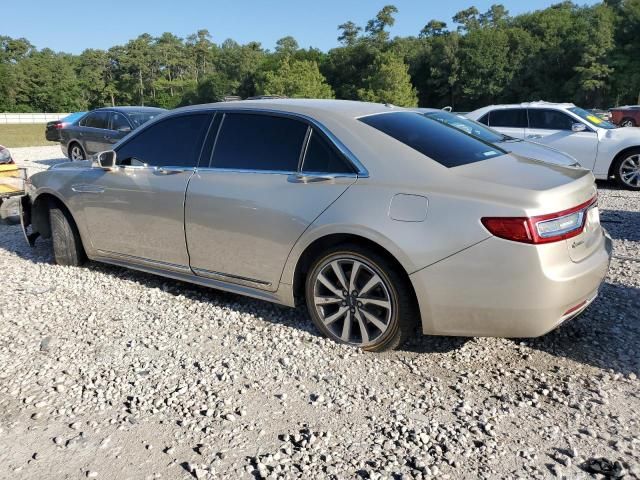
x: 353, y: 300
x: 76, y: 153
x: 630, y: 171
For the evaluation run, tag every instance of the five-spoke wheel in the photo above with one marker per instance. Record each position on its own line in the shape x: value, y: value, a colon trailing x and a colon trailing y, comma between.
x: 628, y: 170
x: 76, y: 152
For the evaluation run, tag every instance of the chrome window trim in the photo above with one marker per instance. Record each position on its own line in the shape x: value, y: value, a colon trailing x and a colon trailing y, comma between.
x: 360, y: 169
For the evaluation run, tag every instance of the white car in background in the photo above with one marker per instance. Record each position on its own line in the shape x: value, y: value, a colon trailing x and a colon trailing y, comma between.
x: 598, y: 145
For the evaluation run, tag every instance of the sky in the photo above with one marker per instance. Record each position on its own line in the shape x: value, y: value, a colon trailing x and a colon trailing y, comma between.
x: 74, y: 25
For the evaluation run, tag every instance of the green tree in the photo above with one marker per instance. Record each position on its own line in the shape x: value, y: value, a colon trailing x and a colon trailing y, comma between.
x: 389, y: 82
x: 377, y: 27
x: 349, y: 32
x: 297, y: 79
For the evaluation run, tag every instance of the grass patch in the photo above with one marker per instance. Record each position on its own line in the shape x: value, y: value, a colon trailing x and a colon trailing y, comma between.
x: 23, y: 135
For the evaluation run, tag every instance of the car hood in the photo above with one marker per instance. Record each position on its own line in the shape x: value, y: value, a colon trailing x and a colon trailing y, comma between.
x: 538, y: 152
x: 76, y: 164
x: 622, y: 134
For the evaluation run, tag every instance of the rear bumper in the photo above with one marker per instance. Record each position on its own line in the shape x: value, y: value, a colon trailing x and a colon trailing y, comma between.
x: 506, y: 289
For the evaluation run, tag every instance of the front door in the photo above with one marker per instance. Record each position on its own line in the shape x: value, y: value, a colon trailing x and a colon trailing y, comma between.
x: 554, y: 128
x: 245, y: 212
x: 136, y: 211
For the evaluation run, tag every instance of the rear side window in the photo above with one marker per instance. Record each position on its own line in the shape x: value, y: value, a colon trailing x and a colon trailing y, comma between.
x: 96, y: 120
x: 174, y: 142
x: 446, y: 145
x: 484, y: 119
x: 549, y: 119
x: 509, y: 117
x: 322, y: 157
x: 259, y: 142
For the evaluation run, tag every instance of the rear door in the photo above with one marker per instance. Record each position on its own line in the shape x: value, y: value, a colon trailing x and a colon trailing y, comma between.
x: 554, y: 128
x: 95, y: 132
x: 136, y: 211
x: 509, y: 121
x: 269, y: 177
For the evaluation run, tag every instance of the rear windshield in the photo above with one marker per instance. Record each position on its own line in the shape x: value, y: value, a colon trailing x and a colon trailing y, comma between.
x: 445, y: 144
x: 140, y: 118
x: 468, y: 126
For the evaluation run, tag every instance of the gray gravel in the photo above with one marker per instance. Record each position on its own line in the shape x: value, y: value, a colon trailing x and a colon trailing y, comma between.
x: 110, y: 373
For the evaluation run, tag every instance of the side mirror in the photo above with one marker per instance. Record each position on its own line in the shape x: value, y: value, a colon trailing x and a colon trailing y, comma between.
x: 578, y: 127
x: 106, y: 159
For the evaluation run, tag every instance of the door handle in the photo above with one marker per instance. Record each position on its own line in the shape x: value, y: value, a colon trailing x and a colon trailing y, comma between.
x: 168, y: 170
x: 534, y: 136
x: 302, y: 178
x: 80, y: 188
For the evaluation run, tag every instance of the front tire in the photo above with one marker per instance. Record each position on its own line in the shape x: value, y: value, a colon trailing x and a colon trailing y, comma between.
x: 67, y: 245
x: 358, y: 297
x: 627, y: 169
x: 76, y: 152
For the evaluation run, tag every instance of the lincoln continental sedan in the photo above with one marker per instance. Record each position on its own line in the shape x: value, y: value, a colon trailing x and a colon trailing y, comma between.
x: 378, y: 218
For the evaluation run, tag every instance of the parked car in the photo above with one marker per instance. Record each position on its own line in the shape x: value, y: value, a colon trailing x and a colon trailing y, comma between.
x: 5, y: 156
x: 598, y: 145
x: 375, y: 216
x: 52, y: 130
x: 628, y: 116
x: 601, y: 114
x: 512, y: 145
x: 101, y: 129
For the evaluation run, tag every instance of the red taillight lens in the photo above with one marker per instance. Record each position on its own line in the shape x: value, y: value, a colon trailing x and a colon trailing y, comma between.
x: 548, y: 228
x: 58, y: 126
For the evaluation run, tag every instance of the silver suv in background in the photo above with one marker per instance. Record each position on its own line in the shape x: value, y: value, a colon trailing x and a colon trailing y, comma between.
x: 598, y: 145
x: 378, y: 218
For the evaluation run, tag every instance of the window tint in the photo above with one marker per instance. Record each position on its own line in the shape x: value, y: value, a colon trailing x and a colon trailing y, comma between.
x: 467, y: 126
x: 322, y: 157
x: 97, y: 120
x: 259, y: 142
x: 510, y: 117
x: 119, y: 122
x: 446, y: 145
x: 484, y: 119
x: 138, y: 119
x: 175, y: 141
x: 549, y: 119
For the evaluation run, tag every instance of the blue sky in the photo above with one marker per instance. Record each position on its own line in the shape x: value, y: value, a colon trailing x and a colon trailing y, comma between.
x: 73, y: 25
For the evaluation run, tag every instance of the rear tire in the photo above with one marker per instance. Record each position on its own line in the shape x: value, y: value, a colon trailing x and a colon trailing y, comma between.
x: 76, y: 152
x: 375, y: 318
x: 67, y: 245
x: 627, y: 169
x: 628, y: 122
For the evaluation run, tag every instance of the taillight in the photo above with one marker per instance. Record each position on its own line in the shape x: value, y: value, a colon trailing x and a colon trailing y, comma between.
x: 58, y: 126
x: 548, y: 228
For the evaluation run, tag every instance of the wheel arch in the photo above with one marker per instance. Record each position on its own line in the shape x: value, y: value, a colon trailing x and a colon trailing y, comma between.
x: 40, y: 212
x: 323, y: 243
x: 617, y: 157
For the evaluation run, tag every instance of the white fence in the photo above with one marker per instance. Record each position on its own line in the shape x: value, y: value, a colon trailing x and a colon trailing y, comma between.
x: 30, y: 117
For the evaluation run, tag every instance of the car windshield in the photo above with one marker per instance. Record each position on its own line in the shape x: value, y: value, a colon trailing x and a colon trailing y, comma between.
x: 468, y: 126
x: 446, y: 145
x: 139, y: 118
x: 592, y: 119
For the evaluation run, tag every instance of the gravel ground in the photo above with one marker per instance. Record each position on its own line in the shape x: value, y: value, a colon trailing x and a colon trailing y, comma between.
x: 110, y: 373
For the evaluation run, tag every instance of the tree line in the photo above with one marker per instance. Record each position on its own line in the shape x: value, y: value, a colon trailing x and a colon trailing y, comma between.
x: 589, y: 55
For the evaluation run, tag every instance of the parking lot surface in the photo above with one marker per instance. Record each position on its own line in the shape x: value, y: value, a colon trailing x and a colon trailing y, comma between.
x: 111, y: 373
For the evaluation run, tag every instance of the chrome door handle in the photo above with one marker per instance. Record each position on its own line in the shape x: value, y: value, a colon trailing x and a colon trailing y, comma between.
x: 302, y: 178
x: 534, y: 136
x: 168, y: 170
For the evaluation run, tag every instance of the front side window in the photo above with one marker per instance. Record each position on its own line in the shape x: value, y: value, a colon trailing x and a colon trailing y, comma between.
x: 508, y: 117
x: 549, y: 119
x: 97, y: 120
x: 248, y: 141
x: 446, y: 145
x: 175, y: 141
x: 138, y: 119
x: 119, y: 122
x: 322, y: 157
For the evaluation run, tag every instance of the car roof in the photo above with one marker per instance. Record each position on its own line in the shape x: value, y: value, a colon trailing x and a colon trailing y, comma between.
x: 130, y: 109
x: 537, y: 104
x: 317, y: 107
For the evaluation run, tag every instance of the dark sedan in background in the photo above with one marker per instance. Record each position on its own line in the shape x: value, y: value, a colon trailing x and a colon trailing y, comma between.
x: 52, y: 130
x: 100, y: 129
